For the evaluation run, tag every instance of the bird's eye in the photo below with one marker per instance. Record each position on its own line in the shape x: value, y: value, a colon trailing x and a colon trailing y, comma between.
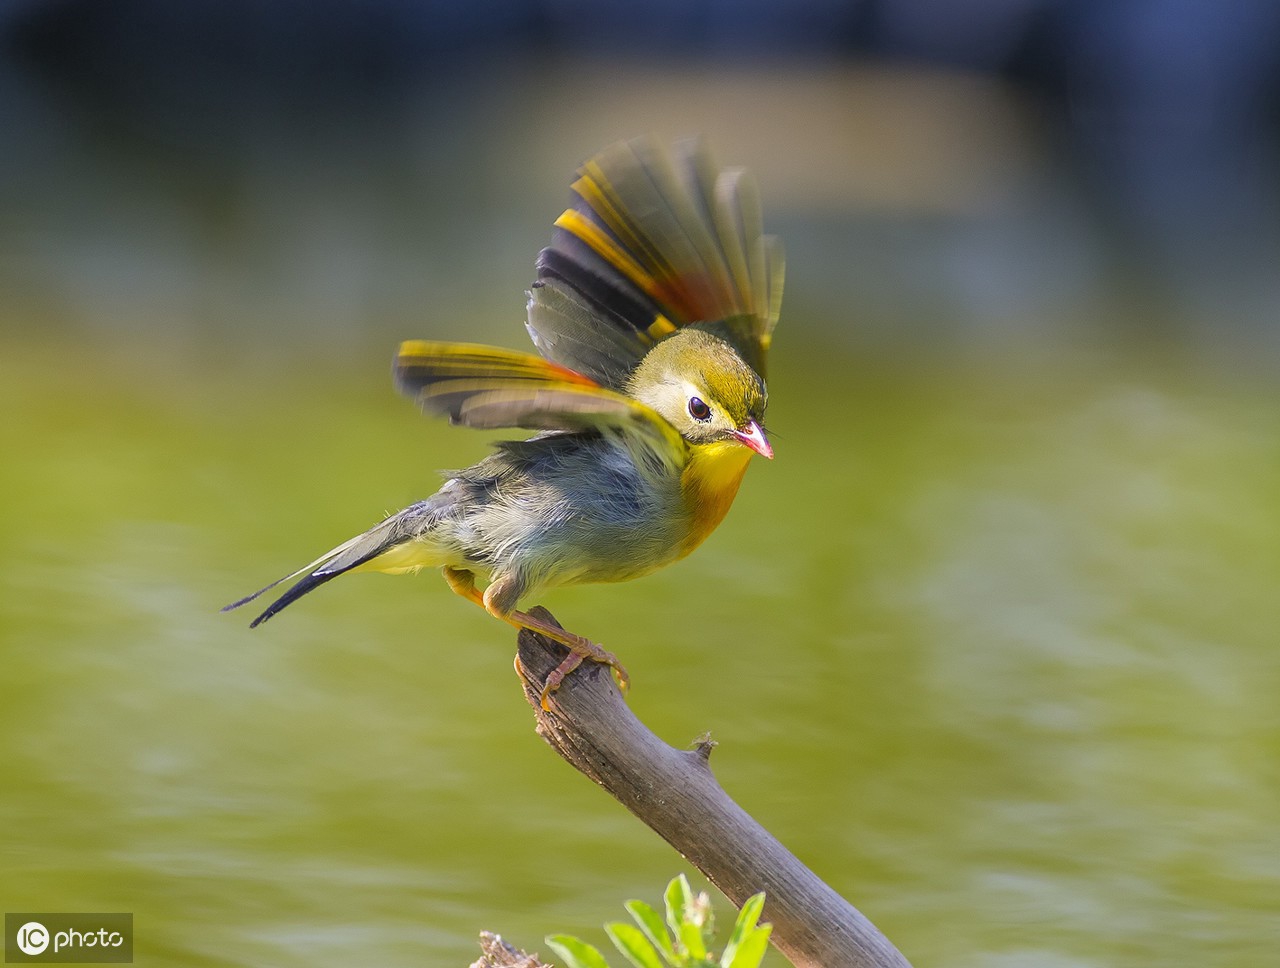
x: 699, y: 410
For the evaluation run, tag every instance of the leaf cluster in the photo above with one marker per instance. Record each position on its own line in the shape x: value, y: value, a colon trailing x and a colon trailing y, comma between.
x: 684, y: 941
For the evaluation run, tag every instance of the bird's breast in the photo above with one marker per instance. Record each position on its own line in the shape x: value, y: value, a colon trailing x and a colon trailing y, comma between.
x: 709, y: 484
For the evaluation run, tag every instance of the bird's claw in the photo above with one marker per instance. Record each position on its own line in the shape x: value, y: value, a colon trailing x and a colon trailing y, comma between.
x: 575, y: 659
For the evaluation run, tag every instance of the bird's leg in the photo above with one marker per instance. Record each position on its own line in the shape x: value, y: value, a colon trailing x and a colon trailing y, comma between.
x: 463, y: 583
x: 579, y: 649
x: 499, y: 599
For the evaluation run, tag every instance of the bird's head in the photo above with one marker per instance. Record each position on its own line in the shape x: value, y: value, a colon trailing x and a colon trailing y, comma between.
x: 704, y: 389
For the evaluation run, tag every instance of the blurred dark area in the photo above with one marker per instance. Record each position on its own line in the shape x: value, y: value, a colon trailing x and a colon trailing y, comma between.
x: 970, y: 175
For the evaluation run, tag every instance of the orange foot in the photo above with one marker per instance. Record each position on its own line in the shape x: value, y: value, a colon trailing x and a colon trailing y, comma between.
x: 463, y: 583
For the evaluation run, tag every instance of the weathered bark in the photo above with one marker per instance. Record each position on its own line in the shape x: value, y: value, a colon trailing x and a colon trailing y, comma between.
x: 674, y: 793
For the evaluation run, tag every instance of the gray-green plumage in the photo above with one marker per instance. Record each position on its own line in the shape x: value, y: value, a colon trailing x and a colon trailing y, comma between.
x: 653, y: 308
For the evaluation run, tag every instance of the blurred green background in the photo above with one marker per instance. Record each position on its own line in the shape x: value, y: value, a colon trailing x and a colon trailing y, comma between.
x: 992, y: 645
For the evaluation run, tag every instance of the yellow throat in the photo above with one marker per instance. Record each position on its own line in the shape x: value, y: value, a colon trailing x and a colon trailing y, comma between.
x: 710, y: 483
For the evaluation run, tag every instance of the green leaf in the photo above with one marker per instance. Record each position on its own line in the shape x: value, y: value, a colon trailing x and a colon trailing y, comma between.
x: 576, y: 952
x: 631, y: 941
x: 751, y: 951
x: 743, y: 927
x: 651, y: 924
x: 691, y: 937
x: 677, y: 900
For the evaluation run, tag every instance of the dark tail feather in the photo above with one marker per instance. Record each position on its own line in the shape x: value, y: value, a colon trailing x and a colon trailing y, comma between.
x: 297, y: 590
x: 351, y: 554
x: 313, y: 580
x: 248, y: 598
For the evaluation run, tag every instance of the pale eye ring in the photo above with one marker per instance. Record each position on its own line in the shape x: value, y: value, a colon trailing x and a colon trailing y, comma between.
x: 699, y: 410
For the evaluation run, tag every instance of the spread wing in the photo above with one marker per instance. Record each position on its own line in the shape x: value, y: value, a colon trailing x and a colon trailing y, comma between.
x: 652, y: 243
x: 487, y: 387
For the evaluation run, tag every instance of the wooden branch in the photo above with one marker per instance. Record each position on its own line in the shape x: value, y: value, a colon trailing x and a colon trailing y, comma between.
x: 673, y: 792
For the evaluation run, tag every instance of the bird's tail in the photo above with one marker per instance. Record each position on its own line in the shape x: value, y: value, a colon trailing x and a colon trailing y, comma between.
x: 393, y: 545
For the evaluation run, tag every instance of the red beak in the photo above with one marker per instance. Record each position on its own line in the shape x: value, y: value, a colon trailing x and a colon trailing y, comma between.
x: 753, y: 436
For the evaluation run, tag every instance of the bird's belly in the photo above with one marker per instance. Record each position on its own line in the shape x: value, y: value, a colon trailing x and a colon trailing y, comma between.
x: 613, y: 537
x: 593, y: 518
x: 586, y: 551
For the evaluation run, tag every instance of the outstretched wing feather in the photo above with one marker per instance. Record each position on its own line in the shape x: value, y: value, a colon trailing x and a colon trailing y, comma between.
x: 653, y: 243
x: 489, y: 387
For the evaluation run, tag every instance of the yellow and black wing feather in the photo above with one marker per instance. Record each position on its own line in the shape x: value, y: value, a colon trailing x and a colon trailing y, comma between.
x: 489, y: 387
x: 654, y: 242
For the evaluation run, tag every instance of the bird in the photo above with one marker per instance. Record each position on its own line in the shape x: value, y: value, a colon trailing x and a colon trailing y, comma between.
x: 652, y: 311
